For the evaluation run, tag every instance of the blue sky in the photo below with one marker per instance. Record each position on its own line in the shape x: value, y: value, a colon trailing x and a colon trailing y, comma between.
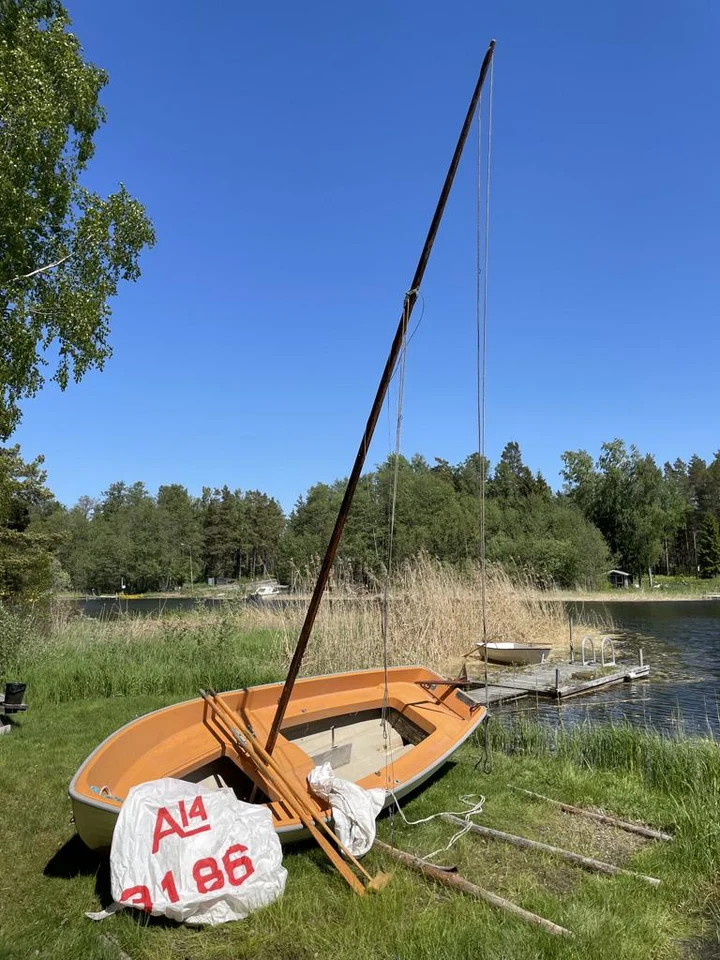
x: 291, y: 155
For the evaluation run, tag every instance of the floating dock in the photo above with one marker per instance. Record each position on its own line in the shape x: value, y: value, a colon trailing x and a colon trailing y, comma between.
x: 555, y: 680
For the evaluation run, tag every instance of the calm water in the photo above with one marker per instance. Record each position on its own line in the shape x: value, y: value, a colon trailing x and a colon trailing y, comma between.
x: 681, y: 643
x: 108, y: 608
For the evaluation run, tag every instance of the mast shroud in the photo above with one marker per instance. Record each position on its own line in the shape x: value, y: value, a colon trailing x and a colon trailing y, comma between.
x: 408, y: 305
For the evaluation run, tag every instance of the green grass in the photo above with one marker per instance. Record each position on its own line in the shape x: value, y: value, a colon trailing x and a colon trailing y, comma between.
x: 684, y: 585
x: 664, y: 588
x: 174, y: 655
x: 48, y: 880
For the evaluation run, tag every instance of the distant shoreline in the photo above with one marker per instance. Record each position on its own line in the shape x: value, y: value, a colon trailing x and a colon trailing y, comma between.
x: 560, y: 596
x: 626, y: 596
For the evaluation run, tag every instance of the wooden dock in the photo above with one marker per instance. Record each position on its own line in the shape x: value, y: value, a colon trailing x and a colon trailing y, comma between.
x: 555, y: 680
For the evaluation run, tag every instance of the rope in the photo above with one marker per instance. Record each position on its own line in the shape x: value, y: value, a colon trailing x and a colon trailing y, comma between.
x: 472, y: 809
x: 390, y: 767
x: 481, y: 316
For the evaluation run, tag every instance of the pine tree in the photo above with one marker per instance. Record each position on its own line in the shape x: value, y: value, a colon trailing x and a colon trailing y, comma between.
x: 708, y: 547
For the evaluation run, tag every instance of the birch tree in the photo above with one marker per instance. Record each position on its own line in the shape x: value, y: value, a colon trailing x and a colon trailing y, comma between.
x: 63, y: 248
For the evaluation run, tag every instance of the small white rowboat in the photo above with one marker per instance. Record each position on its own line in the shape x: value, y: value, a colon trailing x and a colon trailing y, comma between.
x: 514, y: 653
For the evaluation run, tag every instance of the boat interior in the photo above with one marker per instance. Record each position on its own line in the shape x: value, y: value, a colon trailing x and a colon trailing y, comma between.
x: 356, y: 745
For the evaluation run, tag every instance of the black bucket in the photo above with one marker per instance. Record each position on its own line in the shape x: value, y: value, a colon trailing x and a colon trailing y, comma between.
x: 14, y: 694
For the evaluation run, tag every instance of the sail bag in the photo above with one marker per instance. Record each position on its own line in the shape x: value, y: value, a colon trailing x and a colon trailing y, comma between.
x: 196, y: 855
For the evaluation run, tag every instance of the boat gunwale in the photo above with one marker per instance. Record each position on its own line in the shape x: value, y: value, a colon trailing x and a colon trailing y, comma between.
x: 407, y: 786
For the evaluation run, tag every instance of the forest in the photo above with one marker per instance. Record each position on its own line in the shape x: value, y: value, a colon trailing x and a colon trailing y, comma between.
x: 620, y: 510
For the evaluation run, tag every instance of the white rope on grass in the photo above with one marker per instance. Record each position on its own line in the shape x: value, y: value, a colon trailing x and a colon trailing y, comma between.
x: 471, y: 810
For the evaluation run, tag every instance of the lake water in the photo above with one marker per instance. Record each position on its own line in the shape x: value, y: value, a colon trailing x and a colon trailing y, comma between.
x: 680, y: 641
x: 108, y: 608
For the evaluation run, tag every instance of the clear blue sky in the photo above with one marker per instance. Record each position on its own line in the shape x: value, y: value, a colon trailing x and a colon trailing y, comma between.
x: 290, y: 156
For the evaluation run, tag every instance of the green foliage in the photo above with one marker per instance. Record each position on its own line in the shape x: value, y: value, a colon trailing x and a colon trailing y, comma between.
x: 708, y: 547
x: 624, y: 505
x: 26, y: 562
x: 18, y: 630
x: 626, y: 496
x: 437, y: 511
x: 130, y: 657
x: 63, y: 249
x: 129, y: 537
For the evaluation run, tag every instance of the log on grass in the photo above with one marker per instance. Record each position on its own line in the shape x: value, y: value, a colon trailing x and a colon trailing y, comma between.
x: 602, y: 817
x: 460, y: 883
x: 597, y: 866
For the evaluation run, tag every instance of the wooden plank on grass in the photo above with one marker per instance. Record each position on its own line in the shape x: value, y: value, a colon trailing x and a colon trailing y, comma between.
x: 472, y: 889
x: 643, y: 831
x: 589, y: 863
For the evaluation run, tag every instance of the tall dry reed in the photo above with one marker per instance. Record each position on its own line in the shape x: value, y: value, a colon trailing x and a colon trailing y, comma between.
x: 434, y: 617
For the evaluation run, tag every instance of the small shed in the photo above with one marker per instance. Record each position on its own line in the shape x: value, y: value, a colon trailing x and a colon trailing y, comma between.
x: 618, y: 578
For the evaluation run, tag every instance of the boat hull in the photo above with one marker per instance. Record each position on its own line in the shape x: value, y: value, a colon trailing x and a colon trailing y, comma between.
x: 337, y: 718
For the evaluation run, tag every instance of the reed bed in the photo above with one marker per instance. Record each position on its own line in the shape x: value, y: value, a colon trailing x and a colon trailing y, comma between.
x: 669, y: 761
x: 74, y: 659
x: 434, y: 617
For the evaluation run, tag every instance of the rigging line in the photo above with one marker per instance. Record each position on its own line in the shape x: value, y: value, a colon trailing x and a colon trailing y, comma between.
x: 408, y: 341
x: 471, y: 810
x: 480, y: 374
x: 481, y: 307
x: 483, y: 250
x: 420, y: 320
x: 390, y: 767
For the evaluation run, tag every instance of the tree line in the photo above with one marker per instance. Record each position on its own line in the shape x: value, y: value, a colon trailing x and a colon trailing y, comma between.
x: 620, y: 510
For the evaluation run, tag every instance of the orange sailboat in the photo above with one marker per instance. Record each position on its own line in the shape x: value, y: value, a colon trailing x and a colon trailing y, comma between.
x: 390, y: 728
x: 336, y: 718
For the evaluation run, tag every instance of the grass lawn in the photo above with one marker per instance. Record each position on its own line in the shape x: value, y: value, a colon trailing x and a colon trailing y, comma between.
x: 48, y: 879
x: 664, y: 588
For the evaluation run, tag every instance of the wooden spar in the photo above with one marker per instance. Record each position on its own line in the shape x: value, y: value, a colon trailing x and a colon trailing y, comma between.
x: 460, y: 883
x: 589, y: 863
x: 290, y: 790
x: 602, y: 817
x: 408, y: 305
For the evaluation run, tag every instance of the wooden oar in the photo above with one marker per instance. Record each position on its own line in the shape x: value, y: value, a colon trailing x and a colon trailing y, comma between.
x: 291, y: 796
x: 602, y: 817
x: 299, y: 799
x: 268, y: 762
x: 244, y: 747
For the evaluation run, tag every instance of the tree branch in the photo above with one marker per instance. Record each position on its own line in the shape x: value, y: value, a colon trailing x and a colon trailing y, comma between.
x: 49, y: 266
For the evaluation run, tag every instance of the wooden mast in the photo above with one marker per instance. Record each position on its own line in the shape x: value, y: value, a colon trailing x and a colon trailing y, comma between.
x: 408, y: 305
